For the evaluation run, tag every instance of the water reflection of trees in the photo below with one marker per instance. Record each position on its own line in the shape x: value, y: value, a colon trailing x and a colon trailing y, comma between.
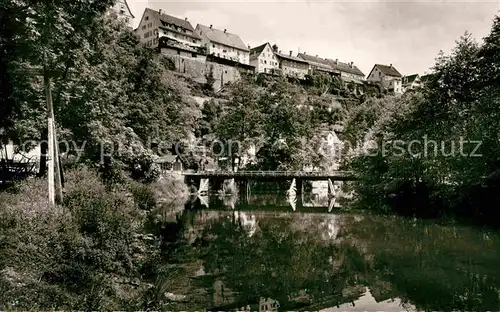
x: 318, y: 261
x: 435, y: 267
x: 279, y: 262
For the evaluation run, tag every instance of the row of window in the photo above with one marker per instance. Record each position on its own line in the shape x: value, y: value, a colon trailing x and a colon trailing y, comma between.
x: 175, y: 27
x: 295, y: 65
x: 269, y: 55
x: 148, y: 34
x: 272, y: 63
x: 149, y: 25
x: 151, y: 42
x: 226, y: 49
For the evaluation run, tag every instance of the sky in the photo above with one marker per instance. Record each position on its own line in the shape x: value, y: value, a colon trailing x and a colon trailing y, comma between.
x: 407, y: 34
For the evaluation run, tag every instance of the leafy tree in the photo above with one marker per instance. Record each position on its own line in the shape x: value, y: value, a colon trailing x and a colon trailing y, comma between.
x: 45, y: 34
x: 211, y: 112
x: 241, y: 118
x: 458, y: 104
x: 117, y: 96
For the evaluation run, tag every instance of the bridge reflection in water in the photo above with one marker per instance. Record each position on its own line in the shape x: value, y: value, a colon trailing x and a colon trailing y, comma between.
x: 318, y: 202
x: 214, y: 182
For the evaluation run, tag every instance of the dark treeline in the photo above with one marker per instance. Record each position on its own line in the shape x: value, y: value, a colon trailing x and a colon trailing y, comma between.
x: 457, y: 173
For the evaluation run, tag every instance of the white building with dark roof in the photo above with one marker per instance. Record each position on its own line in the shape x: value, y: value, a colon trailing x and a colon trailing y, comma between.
x: 168, y: 33
x: 388, y: 76
x: 411, y: 82
x: 264, y: 59
x: 223, y: 44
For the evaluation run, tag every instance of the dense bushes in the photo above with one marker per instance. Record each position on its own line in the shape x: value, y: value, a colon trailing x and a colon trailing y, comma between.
x: 93, y: 254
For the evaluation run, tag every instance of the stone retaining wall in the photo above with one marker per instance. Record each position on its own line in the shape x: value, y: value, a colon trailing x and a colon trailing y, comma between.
x: 197, y: 69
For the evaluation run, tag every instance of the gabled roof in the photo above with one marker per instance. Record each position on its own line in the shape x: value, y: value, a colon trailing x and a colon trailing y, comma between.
x: 225, y: 38
x: 410, y: 78
x: 315, y: 60
x: 256, y: 51
x: 259, y: 49
x: 128, y: 8
x: 346, y: 68
x: 166, y: 19
x: 167, y: 159
x: 291, y: 58
x: 388, y: 70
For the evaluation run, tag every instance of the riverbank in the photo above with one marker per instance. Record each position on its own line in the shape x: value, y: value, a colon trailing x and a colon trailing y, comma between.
x: 94, y: 252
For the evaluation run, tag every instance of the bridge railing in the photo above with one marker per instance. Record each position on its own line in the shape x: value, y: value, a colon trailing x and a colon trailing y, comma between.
x: 269, y: 173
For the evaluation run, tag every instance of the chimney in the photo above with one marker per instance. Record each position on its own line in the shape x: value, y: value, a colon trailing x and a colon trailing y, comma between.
x: 305, y: 53
x: 336, y: 61
x: 352, y: 64
x: 316, y: 55
x: 291, y: 52
x: 211, y: 26
x: 159, y: 11
x: 390, y: 66
x: 186, y: 19
x: 225, y: 30
x: 249, y: 47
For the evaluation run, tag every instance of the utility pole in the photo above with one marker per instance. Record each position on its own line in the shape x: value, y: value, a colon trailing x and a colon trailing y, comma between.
x: 53, y: 163
x: 50, y: 127
x: 55, y: 143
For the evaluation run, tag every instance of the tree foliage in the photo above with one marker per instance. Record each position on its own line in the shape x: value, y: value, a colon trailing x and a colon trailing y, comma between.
x: 455, y: 120
x: 276, y: 118
x: 110, y: 94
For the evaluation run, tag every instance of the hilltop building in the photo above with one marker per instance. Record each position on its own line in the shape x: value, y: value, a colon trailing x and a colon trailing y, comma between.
x: 292, y: 66
x: 264, y: 59
x: 169, y: 34
x: 411, y: 82
x: 348, y: 71
x: 123, y: 12
x: 388, y: 76
x: 317, y: 64
x: 223, y: 44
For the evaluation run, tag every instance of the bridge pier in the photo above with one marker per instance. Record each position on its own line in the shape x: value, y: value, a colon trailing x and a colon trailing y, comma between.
x: 244, y: 190
x: 216, y: 185
x: 299, y: 184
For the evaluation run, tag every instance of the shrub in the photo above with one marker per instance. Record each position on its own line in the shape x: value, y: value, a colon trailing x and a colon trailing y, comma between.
x: 79, y: 258
x: 144, y: 196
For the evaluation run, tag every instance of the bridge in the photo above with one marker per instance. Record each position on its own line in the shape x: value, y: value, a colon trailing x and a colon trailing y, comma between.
x: 205, y: 181
x: 272, y: 175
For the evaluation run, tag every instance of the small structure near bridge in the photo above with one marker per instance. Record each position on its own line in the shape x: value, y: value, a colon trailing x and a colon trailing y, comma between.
x: 169, y: 163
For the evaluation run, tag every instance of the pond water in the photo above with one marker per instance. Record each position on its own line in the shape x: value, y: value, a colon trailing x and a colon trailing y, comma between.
x: 264, y: 254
